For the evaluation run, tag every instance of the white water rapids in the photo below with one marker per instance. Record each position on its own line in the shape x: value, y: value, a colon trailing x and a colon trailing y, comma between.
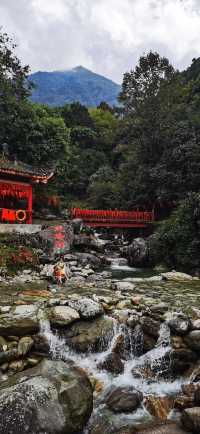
x: 156, y: 360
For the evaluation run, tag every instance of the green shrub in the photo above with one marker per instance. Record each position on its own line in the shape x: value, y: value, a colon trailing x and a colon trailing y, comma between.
x: 177, y: 241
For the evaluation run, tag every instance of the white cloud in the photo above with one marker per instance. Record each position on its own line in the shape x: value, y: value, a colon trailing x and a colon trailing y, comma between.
x: 107, y: 36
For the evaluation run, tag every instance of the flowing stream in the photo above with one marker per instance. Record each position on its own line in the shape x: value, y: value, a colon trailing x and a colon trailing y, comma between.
x: 149, y: 372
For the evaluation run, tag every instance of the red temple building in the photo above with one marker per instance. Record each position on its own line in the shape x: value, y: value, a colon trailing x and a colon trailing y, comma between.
x: 16, y: 181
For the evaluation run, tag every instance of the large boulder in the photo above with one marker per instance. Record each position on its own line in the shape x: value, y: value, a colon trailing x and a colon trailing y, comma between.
x: 159, y: 406
x: 191, y: 419
x: 62, y: 315
x: 177, y: 276
x: 86, y: 307
x: 57, y: 239
x: 180, y: 325
x: 89, y: 241
x: 20, y: 321
x: 88, y: 258
x: 52, y: 398
x: 193, y: 340
x: 150, y: 326
x: 77, y: 225
x: 113, y: 364
x: 137, y: 252
x: 123, y: 399
x: 90, y: 335
x: 181, y: 360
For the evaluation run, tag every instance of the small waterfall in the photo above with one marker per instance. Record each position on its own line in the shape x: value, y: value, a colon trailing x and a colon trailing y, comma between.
x: 88, y: 361
x: 164, y: 336
x: 157, y: 360
x: 133, y: 340
x: 137, y: 342
x: 149, y: 373
x: 56, y: 343
x: 160, y: 356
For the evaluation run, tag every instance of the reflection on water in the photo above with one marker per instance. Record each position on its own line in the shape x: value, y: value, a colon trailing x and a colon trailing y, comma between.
x: 123, y: 271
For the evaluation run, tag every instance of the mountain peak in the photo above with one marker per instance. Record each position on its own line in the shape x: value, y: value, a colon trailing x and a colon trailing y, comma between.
x: 57, y: 88
x: 80, y: 68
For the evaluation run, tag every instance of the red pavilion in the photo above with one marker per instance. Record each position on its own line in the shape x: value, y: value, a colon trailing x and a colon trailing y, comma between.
x: 16, y: 180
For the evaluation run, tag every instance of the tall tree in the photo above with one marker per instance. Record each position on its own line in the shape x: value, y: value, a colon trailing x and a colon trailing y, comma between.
x: 13, y: 86
x: 76, y: 115
x: 143, y: 83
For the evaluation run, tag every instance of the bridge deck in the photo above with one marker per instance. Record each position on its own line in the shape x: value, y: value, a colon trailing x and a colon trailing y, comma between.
x: 117, y: 219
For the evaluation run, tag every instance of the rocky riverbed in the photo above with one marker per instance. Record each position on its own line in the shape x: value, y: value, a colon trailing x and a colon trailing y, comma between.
x: 115, y: 350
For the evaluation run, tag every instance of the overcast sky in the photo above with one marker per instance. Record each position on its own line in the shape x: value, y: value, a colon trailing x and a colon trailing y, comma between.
x: 106, y: 36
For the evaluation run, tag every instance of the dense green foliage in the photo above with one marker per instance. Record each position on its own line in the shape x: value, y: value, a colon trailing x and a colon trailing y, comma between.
x: 177, y: 242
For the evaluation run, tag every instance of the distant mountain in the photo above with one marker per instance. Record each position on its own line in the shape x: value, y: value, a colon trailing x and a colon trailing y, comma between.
x: 77, y: 84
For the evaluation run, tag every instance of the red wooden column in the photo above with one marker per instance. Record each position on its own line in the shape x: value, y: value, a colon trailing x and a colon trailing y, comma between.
x: 30, y: 204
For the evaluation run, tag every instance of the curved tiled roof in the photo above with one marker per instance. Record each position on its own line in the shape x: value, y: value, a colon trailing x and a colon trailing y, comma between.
x: 18, y: 168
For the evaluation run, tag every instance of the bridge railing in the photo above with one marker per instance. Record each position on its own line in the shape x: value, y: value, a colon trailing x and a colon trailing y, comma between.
x: 112, y: 216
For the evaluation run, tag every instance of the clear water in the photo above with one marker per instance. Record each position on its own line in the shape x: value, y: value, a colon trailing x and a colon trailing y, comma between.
x: 124, y: 271
x: 181, y: 296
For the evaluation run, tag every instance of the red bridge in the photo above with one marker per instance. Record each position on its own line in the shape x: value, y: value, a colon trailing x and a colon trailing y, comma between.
x: 116, y: 219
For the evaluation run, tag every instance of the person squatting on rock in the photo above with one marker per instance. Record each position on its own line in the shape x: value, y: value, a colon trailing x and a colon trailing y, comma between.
x: 60, y: 272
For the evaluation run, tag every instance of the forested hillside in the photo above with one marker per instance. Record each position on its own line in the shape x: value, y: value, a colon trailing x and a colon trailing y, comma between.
x: 57, y: 88
x: 144, y: 154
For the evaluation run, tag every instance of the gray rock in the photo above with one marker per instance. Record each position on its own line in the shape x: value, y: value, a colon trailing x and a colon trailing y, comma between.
x: 20, y: 321
x: 87, y: 308
x: 77, y: 279
x: 87, y: 272
x: 85, y: 258
x: 150, y: 326
x: 133, y: 320
x: 123, y: 399
x: 149, y: 342
x: 47, y: 237
x: 8, y: 356
x: 122, y: 286
x: 137, y: 252
x: 196, y: 312
x: 5, y: 309
x: 191, y: 419
x: 117, y: 262
x: 180, y: 325
x: 159, y: 428
x: 124, y: 304
x: 106, y: 274
x: 159, y: 308
x: 3, y: 344
x: 51, y: 398
x: 181, y: 360
x: 25, y: 344
x: 193, y: 340
x: 27, y: 271
x: 177, y: 276
x: 62, y: 315
x: 47, y: 270
x: 196, y: 324
x: 70, y: 257
x: 112, y: 364
x: 17, y: 366
x: 93, y: 335
x: 77, y: 225
x: 54, y: 302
